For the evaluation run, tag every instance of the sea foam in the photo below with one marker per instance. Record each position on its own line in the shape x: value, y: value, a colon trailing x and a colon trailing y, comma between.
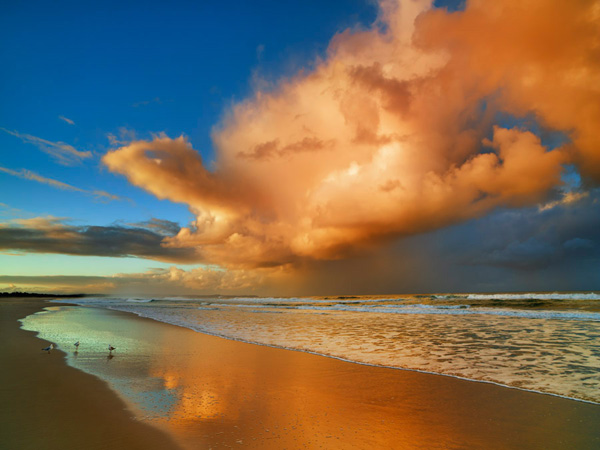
x: 507, y: 339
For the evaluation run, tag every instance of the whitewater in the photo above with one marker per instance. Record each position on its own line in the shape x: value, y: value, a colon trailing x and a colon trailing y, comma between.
x: 543, y: 342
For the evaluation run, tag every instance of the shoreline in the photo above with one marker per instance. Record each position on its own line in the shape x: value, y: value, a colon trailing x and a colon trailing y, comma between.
x: 227, y: 392
x: 339, y: 358
x: 46, y: 403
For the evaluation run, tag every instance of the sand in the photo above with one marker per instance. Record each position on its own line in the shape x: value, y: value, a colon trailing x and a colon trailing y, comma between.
x: 46, y: 404
x: 224, y: 394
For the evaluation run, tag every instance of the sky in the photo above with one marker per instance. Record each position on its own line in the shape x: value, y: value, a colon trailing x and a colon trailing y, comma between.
x: 299, y: 148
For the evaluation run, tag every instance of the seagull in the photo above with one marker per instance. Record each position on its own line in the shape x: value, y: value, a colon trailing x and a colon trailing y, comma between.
x: 47, y: 349
x: 110, y: 348
x: 76, y: 344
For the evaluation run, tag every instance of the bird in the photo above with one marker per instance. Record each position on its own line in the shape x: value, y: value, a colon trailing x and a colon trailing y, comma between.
x: 76, y: 344
x: 111, y: 348
x: 47, y: 349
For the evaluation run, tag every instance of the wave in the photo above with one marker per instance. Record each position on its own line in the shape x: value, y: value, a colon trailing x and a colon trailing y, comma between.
x: 536, y: 295
x: 90, y: 300
x: 427, y: 309
x: 282, y: 344
x: 459, y: 310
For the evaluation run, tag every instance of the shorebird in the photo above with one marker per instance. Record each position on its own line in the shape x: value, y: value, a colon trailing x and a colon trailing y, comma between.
x: 110, y: 348
x: 76, y: 344
x: 47, y: 349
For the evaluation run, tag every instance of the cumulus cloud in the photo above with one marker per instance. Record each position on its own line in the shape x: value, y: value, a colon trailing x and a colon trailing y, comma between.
x: 63, y: 153
x: 541, y: 57
x: 391, y: 134
x: 200, y: 279
x: 29, y: 175
x: 53, y: 235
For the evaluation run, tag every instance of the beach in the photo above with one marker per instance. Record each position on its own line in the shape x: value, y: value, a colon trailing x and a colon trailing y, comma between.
x: 47, y: 404
x: 203, y: 391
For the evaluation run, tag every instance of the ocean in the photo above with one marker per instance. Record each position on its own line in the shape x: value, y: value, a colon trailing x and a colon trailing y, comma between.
x: 543, y: 342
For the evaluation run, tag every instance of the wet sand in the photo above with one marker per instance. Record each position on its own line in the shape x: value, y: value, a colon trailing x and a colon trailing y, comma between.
x: 46, y: 404
x: 209, y: 392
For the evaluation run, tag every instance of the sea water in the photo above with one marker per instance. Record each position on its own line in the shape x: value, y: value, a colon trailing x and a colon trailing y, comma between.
x: 545, y: 342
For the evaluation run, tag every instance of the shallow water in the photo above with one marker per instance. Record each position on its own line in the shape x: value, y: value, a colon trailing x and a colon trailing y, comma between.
x: 213, y: 393
x: 546, y: 342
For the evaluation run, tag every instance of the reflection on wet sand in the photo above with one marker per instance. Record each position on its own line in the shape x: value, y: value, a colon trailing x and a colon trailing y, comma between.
x: 212, y: 392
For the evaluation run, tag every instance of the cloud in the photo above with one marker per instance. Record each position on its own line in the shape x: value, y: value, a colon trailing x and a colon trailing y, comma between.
x: 9, y: 211
x: 568, y: 232
x: 161, y: 226
x: 29, y: 175
x: 540, y: 57
x: 63, y: 153
x: 125, y: 136
x: 391, y: 134
x: 525, y: 249
x: 65, y: 119
x: 567, y: 199
x: 53, y: 235
x: 200, y: 280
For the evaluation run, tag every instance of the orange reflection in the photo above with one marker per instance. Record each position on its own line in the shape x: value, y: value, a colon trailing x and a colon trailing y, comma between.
x: 229, y: 393
x: 210, y: 392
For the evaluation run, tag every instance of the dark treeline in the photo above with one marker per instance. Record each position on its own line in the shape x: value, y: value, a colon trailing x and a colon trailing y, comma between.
x: 34, y: 294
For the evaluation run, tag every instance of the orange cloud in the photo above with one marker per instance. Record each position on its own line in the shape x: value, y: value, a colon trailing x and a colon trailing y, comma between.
x: 387, y: 135
x: 201, y: 279
x: 543, y: 57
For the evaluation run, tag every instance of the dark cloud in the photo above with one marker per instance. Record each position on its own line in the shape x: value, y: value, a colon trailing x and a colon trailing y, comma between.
x: 529, y: 249
x: 51, y: 235
x: 161, y: 226
x: 533, y: 239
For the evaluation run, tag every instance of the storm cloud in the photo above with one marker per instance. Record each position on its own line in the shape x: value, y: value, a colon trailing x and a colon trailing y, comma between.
x: 393, y: 133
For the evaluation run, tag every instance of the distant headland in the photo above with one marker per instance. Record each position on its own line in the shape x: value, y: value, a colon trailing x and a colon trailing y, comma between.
x: 39, y: 295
